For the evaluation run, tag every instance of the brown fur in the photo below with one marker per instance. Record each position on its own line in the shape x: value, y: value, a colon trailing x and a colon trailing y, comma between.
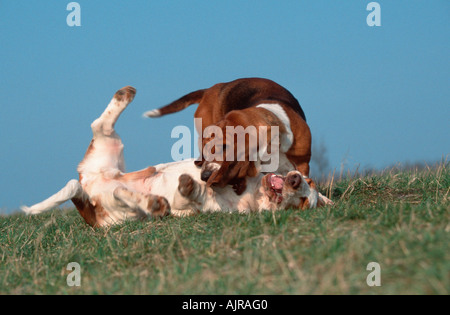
x: 125, y: 93
x: 234, y: 104
x: 139, y: 175
x: 93, y: 215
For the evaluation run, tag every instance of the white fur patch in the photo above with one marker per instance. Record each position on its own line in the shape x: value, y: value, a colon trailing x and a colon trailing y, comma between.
x: 71, y: 190
x: 287, y: 139
x: 152, y: 113
x: 312, y: 198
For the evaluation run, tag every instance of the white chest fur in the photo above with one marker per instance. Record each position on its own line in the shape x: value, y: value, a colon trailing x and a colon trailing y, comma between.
x: 287, y: 138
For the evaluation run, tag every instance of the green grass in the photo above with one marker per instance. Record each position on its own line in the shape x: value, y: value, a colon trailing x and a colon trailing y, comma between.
x: 399, y: 219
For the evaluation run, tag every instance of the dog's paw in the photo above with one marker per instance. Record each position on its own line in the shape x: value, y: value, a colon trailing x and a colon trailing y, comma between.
x: 186, y: 185
x: 324, y: 201
x: 26, y: 209
x: 125, y: 94
x: 159, y: 207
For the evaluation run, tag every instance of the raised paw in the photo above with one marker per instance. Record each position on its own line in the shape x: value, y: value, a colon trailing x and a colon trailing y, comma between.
x: 186, y: 185
x: 125, y: 94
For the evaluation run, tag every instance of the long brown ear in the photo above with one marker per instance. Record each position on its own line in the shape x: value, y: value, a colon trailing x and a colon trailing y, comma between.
x: 220, y: 177
x: 311, y: 183
x: 252, y: 171
x: 225, y: 176
x: 239, y: 186
x: 304, y: 203
x: 230, y: 173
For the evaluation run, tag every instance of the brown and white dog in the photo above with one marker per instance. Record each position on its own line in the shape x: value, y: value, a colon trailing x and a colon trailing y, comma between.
x: 105, y: 194
x: 246, y: 102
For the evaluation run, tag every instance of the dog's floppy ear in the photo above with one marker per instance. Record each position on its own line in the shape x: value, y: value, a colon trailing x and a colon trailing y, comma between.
x: 311, y: 183
x: 304, y: 203
x: 227, y: 172
x: 220, y: 177
x: 227, y: 175
x: 239, y: 186
x: 233, y: 174
x: 252, y: 171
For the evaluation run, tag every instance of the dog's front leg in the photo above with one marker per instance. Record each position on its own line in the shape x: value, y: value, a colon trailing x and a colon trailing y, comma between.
x: 324, y: 201
x: 189, y: 196
x: 190, y: 189
x: 144, y: 205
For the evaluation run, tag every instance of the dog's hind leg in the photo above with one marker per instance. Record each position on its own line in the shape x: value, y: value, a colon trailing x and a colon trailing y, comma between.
x: 71, y: 190
x: 105, y: 153
x: 104, y: 125
x: 142, y: 204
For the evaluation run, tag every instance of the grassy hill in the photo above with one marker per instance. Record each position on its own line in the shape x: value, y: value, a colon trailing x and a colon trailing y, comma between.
x: 399, y: 219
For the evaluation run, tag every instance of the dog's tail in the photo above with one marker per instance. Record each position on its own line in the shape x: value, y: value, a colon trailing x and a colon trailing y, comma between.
x: 178, y: 105
x: 71, y: 190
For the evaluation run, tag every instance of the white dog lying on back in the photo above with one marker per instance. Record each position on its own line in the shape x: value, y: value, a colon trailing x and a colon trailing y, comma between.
x: 106, y: 195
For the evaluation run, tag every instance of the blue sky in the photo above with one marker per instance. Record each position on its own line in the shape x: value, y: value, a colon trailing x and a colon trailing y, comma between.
x: 374, y: 95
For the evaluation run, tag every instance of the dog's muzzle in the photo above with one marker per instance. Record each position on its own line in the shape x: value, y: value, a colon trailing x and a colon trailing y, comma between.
x: 208, y: 169
x: 205, y: 175
x: 294, y: 180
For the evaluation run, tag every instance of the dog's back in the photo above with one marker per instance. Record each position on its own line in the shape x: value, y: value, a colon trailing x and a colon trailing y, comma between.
x: 235, y: 95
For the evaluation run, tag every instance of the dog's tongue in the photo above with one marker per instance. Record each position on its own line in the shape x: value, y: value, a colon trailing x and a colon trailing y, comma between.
x: 277, y: 182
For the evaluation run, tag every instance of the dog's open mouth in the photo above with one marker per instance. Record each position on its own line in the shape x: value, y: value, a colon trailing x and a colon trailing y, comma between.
x: 274, y: 187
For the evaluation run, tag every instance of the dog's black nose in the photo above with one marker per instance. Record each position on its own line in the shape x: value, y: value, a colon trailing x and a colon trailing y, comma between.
x: 294, y: 180
x: 205, y: 175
